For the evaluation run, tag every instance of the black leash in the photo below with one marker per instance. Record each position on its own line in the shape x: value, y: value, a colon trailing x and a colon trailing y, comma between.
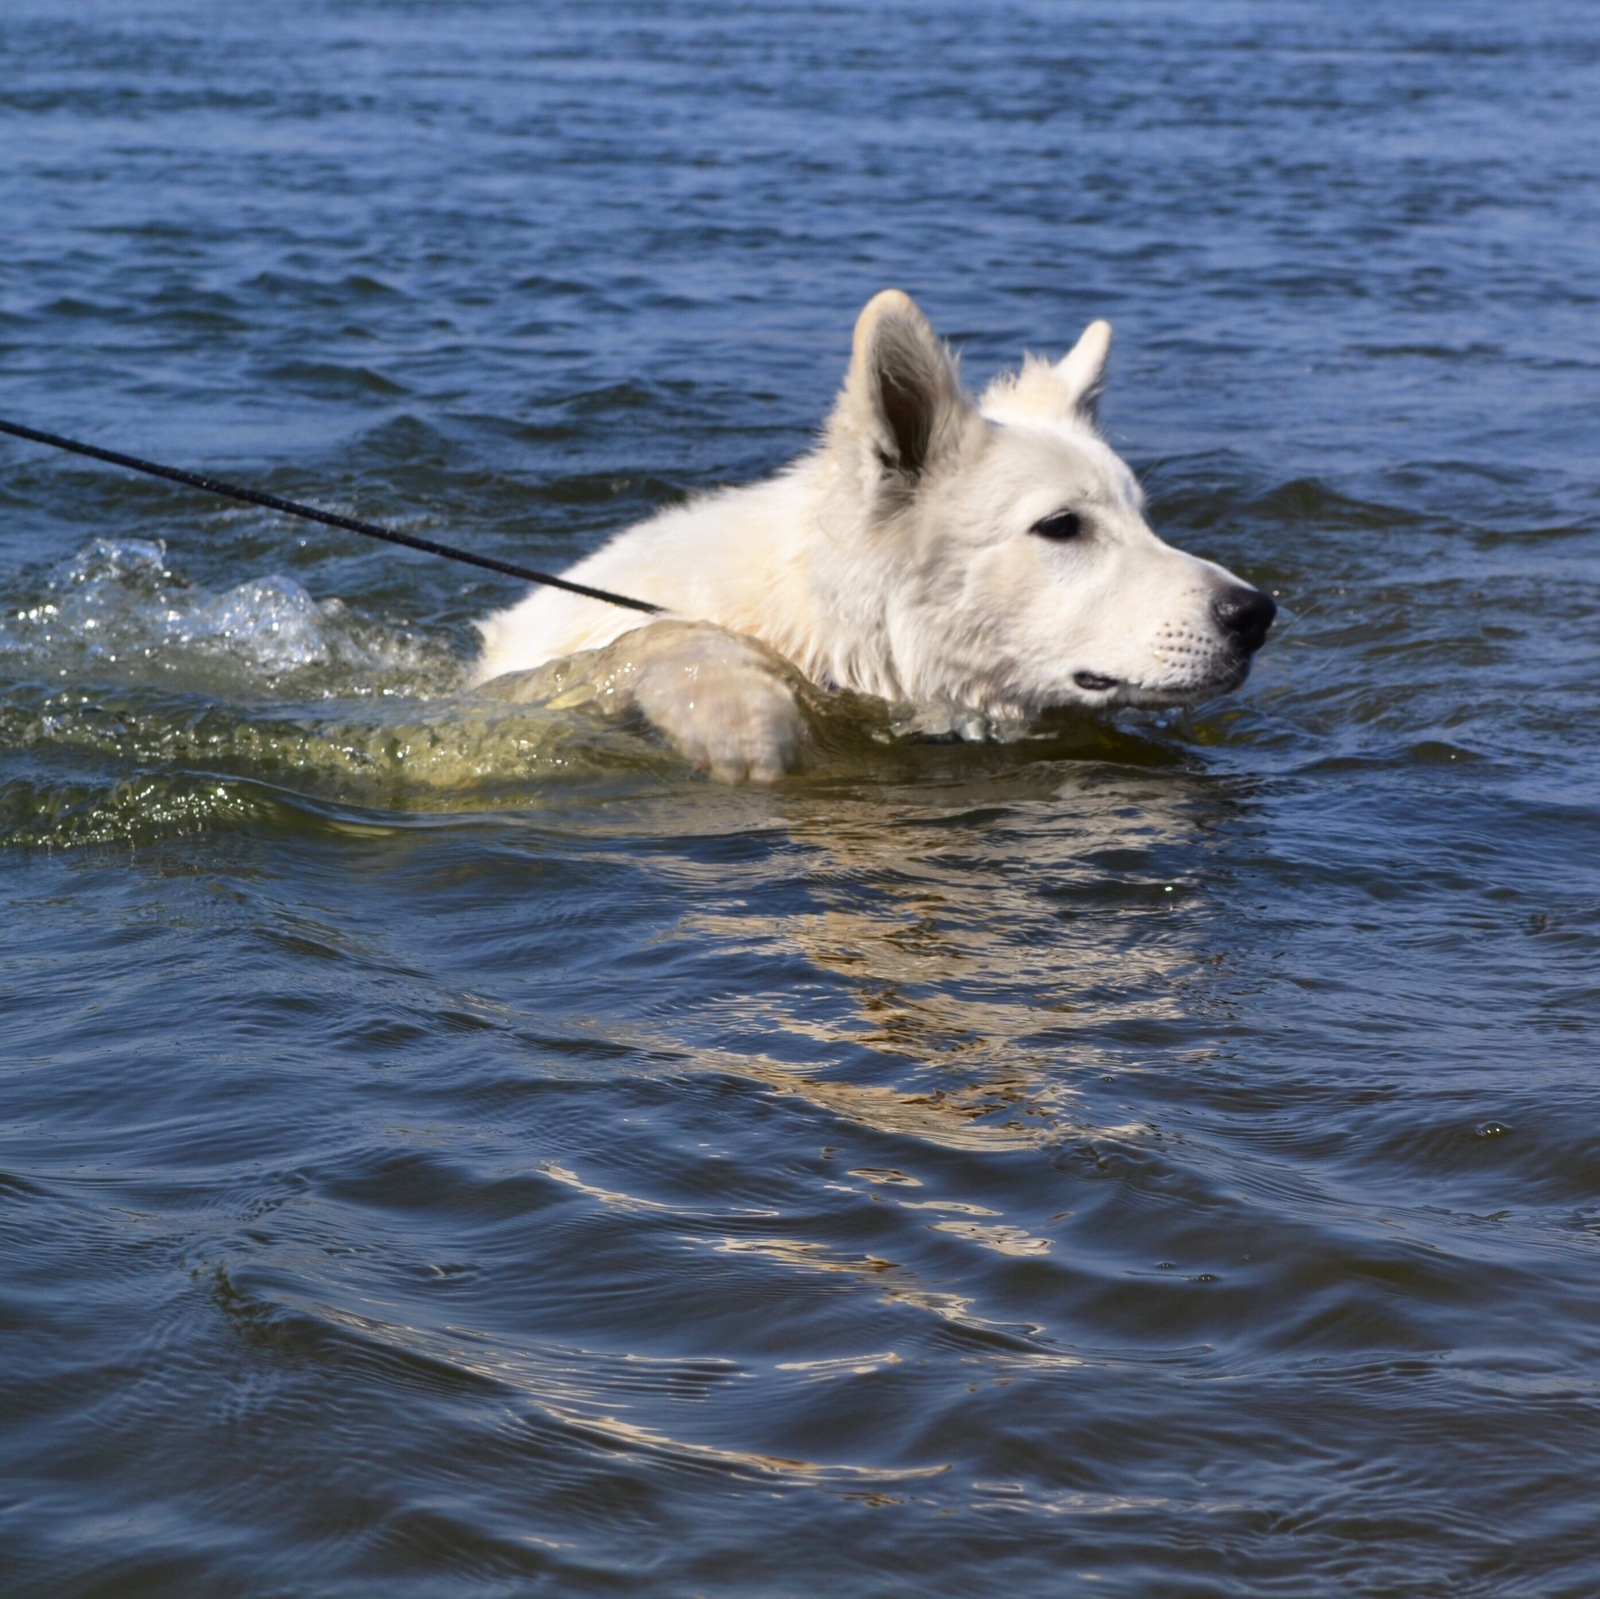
x: 311, y: 514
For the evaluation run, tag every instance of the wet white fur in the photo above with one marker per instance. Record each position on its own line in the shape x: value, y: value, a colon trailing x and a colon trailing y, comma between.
x: 897, y: 560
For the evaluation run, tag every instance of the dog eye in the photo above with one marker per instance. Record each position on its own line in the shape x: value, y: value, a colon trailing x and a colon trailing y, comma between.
x: 1059, y: 525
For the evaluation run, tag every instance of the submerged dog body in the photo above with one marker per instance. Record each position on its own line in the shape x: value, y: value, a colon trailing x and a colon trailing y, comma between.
x: 991, y: 554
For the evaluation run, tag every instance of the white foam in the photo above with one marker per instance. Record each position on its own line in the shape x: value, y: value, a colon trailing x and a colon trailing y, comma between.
x: 122, y: 604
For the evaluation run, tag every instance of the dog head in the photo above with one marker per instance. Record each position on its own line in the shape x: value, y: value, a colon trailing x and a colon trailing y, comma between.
x: 999, y: 550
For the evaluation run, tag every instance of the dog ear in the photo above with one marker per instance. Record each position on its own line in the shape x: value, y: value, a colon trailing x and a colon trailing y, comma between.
x: 903, y: 388
x: 1082, y: 370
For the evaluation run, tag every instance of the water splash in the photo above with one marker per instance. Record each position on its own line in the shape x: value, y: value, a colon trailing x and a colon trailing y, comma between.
x: 120, y: 611
x: 137, y: 703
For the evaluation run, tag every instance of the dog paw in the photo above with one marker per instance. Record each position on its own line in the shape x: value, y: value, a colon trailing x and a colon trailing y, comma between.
x: 726, y: 703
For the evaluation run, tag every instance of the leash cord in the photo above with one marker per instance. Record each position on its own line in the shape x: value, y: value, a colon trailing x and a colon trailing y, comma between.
x: 310, y: 513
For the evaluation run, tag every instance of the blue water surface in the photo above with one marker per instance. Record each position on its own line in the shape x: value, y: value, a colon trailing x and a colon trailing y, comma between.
x: 448, y: 1150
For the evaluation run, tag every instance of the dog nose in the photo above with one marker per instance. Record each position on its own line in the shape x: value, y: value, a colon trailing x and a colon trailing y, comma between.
x: 1245, y: 614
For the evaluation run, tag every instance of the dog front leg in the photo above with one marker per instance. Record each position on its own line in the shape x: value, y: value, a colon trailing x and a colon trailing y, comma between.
x: 725, y: 702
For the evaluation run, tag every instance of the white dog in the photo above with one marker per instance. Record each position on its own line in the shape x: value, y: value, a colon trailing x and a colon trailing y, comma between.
x: 989, y: 555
